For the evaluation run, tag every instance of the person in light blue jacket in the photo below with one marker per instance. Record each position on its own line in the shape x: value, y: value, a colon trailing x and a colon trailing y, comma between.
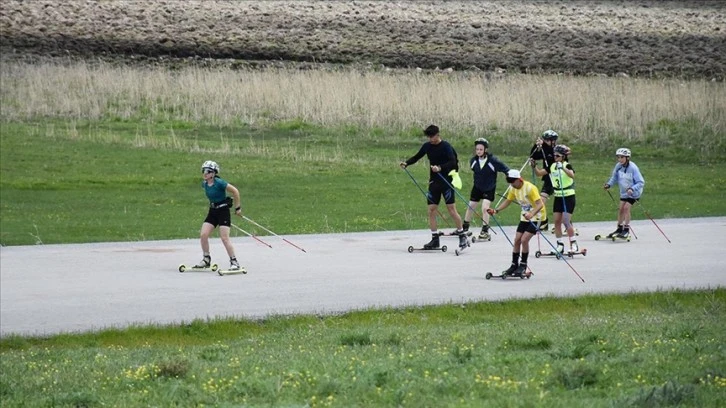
x: 626, y: 175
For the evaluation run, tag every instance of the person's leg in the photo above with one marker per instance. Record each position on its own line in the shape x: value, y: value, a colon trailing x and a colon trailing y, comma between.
x: 526, y: 237
x: 204, y: 234
x: 627, y: 206
x: 432, y: 211
x: 455, y: 215
x: 558, y: 231
x: 224, y: 236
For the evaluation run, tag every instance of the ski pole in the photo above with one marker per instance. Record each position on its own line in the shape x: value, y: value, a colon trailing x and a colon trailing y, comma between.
x: 616, y: 204
x: 425, y: 195
x: 463, y: 199
x: 654, y: 223
x: 253, y: 222
x: 561, y: 256
x: 252, y: 235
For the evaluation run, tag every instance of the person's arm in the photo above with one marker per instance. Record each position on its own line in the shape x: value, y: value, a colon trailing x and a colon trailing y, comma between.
x: 613, y: 178
x: 451, y: 162
x: 538, y: 204
x: 638, y: 180
x: 416, y: 157
x: 499, y: 165
x: 504, y: 204
x: 540, y: 172
x: 569, y: 171
x: 235, y: 195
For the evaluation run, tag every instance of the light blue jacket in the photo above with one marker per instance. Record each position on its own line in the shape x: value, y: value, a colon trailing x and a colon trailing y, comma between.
x: 627, y: 177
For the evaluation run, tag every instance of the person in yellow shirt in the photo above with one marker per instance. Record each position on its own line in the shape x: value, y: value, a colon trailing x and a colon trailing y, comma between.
x: 532, y: 220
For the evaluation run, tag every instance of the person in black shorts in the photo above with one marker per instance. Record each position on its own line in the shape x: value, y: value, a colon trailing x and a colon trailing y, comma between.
x: 533, y: 218
x: 485, y: 166
x: 562, y: 178
x: 442, y: 161
x: 216, y: 190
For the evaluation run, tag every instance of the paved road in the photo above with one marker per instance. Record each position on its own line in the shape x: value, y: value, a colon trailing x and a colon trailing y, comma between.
x: 67, y: 288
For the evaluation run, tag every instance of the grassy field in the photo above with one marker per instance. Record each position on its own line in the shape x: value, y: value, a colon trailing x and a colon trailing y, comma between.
x: 79, y: 181
x: 641, y: 350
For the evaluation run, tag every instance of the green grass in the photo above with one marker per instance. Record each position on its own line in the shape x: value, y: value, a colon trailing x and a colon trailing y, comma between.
x: 77, y: 181
x: 638, y: 350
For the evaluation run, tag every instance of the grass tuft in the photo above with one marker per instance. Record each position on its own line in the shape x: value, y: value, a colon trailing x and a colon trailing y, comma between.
x: 669, y: 394
x: 356, y: 339
x: 579, y: 376
x: 175, y: 368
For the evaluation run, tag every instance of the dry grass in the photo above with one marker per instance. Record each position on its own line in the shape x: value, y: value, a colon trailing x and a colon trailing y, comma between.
x: 585, y: 108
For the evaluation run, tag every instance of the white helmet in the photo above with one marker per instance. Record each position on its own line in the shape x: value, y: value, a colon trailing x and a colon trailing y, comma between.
x: 623, y: 151
x: 210, y: 165
x: 549, y: 135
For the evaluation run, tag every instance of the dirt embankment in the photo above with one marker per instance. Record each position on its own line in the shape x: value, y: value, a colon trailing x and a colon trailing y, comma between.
x: 649, y: 37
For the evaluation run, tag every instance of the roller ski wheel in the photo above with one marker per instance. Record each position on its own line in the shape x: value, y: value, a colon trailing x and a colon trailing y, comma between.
x: 183, y: 268
x: 538, y: 254
x: 597, y: 237
x: 488, y: 275
x: 411, y: 249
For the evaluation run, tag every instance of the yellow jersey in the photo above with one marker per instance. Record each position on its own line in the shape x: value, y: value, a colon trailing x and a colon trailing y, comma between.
x: 526, y: 197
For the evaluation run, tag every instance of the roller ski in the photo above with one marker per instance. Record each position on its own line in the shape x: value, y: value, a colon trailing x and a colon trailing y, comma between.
x: 433, y: 245
x: 234, y: 269
x: 454, y: 234
x: 513, y: 271
x: 463, y: 244
x: 574, y: 250
x: 483, y: 236
x: 204, y: 265
x: 619, y: 234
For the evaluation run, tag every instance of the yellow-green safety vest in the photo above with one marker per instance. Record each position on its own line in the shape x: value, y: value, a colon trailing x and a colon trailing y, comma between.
x: 567, y: 188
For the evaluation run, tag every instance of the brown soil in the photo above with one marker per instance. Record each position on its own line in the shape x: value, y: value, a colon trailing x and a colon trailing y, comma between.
x: 649, y: 37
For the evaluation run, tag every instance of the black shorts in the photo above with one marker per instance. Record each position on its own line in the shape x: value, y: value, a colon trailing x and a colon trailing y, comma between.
x: 526, y: 226
x: 569, y: 205
x: 477, y: 194
x: 219, y: 217
x: 438, y: 189
x: 547, y: 188
x: 630, y: 200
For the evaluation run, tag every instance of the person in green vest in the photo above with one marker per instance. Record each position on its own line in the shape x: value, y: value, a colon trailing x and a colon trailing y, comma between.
x: 562, y: 176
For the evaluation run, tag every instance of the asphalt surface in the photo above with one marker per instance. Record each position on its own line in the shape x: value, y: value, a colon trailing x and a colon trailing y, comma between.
x: 49, y: 289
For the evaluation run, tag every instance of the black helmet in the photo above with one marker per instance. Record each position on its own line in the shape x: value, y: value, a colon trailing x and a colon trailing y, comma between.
x: 563, y: 150
x: 481, y: 141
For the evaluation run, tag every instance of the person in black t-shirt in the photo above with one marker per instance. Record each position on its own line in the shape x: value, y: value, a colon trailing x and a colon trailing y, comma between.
x: 442, y: 160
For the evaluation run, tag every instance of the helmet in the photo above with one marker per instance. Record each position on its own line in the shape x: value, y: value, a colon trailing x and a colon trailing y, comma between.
x: 481, y: 141
x: 623, y: 151
x: 513, y: 174
x: 549, y: 135
x: 563, y: 150
x: 211, y: 165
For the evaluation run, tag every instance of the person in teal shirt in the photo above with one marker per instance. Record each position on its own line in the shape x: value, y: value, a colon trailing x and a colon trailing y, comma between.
x: 216, y: 190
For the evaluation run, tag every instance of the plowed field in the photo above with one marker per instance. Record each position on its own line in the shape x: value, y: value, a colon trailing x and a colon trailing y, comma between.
x: 661, y: 38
